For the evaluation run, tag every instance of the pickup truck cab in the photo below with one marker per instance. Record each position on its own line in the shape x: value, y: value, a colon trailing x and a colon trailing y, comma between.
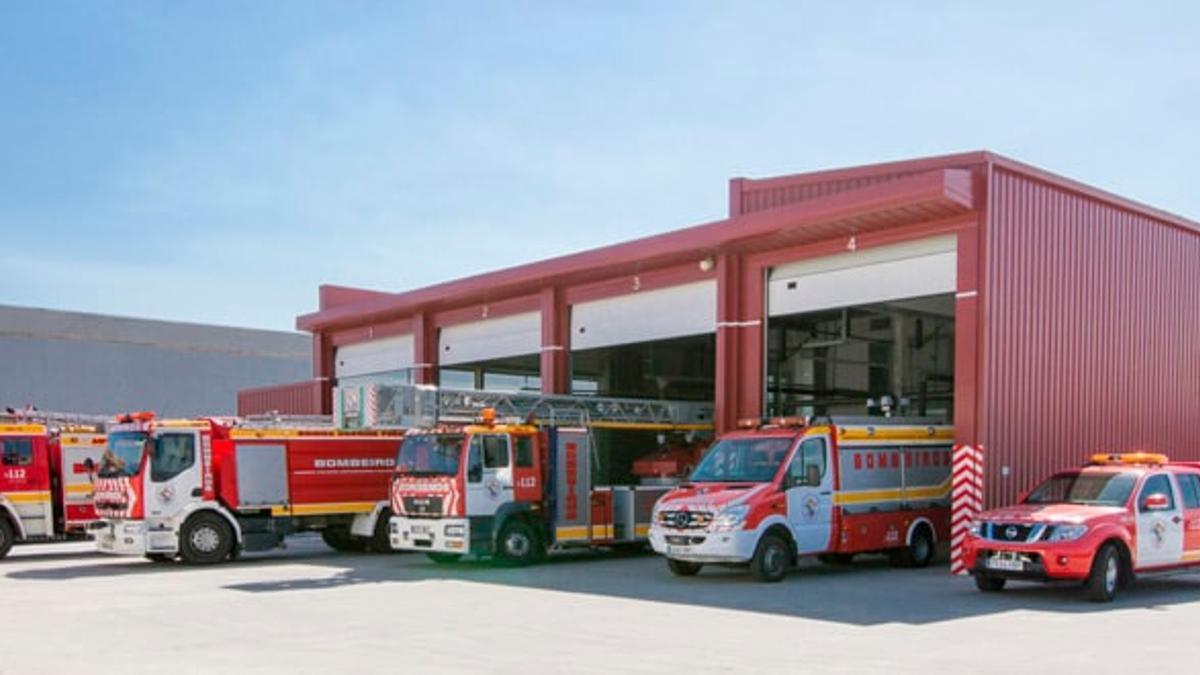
x: 1103, y: 524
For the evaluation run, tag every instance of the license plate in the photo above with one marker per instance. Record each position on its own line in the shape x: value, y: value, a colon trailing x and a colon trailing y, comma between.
x: 420, y: 529
x: 1005, y: 563
x: 678, y: 549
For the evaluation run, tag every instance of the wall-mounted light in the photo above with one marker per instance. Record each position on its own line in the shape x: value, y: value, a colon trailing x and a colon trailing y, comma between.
x: 707, y: 264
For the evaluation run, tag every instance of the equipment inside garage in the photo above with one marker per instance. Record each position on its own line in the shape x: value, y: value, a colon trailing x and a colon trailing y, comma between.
x: 865, y: 333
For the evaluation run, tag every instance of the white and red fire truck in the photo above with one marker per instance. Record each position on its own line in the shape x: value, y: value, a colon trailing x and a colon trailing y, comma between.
x: 771, y: 492
x: 45, y: 488
x: 207, y: 489
x: 514, y: 490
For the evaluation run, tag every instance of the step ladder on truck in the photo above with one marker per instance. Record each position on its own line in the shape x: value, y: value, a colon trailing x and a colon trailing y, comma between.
x: 45, y: 487
x: 205, y: 490
x: 512, y: 476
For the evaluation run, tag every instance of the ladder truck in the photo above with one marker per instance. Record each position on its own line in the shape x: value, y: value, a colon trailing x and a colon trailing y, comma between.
x: 45, y: 487
x: 512, y: 476
x: 205, y: 490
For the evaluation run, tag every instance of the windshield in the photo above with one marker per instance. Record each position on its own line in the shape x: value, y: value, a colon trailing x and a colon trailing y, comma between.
x: 742, y: 460
x: 430, y: 454
x: 1089, y: 489
x: 123, y: 454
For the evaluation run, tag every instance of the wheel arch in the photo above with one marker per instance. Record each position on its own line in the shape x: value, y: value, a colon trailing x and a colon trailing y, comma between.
x: 194, y: 509
x: 364, y: 524
x: 507, y: 512
x: 921, y: 521
x: 783, y: 532
x: 9, y: 513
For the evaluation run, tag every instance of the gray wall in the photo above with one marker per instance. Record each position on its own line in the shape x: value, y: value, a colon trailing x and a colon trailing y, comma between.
x: 89, y: 363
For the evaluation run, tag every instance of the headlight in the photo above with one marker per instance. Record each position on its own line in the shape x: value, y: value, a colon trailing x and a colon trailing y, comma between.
x: 1066, y: 532
x: 976, y: 528
x: 731, y: 518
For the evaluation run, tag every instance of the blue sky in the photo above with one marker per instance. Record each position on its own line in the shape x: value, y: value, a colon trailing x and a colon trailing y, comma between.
x: 216, y: 161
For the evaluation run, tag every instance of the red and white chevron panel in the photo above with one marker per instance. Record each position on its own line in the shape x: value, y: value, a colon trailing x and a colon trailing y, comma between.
x: 967, y: 499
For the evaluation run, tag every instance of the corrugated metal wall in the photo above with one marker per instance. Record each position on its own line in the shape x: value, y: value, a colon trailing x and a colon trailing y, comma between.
x: 1092, y: 333
x: 309, y: 397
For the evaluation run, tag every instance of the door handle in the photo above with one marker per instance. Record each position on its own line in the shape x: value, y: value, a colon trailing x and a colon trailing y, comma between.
x: 826, y: 493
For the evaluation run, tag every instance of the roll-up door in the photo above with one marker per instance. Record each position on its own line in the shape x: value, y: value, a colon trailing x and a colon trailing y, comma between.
x: 375, y: 356
x: 910, y: 270
x: 678, y: 311
x: 515, y: 335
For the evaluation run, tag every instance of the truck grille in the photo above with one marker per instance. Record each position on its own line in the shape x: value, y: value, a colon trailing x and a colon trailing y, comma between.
x: 1014, y: 532
x: 684, y: 520
x: 423, y: 506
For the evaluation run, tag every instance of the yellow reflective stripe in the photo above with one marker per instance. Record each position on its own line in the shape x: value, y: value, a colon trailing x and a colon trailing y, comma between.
x: 323, y: 509
x: 22, y: 429
x: 893, y: 495
x: 641, y: 531
x: 79, y: 489
x: 571, y: 532
x: 905, y: 433
x: 28, y: 497
x: 1191, y: 556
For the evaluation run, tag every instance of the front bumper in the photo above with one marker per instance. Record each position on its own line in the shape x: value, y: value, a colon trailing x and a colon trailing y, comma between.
x: 134, y: 537
x: 1041, y: 561
x: 702, y: 546
x: 431, y: 535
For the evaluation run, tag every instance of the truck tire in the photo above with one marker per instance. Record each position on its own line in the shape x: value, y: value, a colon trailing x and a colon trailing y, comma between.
x: 517, y: 544
x: 989, y: 584
x: 1105, y: 578
x: 444, y: 558
x: 340, y: 540
x: 7, y: 536
x: 206, y: 539
x: 683, y: 568
x: 771, y: 559
x: 920, y: 551
x: 381, y: 541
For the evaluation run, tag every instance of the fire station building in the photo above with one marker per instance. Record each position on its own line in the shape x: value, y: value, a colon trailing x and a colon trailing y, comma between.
x: 1046, y: 319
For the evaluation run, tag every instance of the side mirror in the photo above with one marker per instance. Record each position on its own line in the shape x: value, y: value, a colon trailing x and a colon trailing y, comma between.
x: 1156, y: 502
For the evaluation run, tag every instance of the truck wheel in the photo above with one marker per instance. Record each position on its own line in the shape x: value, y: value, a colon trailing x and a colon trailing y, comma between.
x: 919, y: 552
x: 7, y: 537
x: 683, y: 568
x: 206, y: 539
x: 989, y: 584
x: 771, y: 559
x: 340, y: 539
x: 836, y: 558
x: 1105, y: 577
x: 159, y: 557
x: 517, y: 544
x: 381, y: 541
x: 444, y: 558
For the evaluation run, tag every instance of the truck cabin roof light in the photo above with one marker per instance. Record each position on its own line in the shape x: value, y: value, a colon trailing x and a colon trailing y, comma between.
x: 139, y: 416
x: 789, y: 421
x: 749, y: 423
x: 488, y: 416
x: 1149, y: 458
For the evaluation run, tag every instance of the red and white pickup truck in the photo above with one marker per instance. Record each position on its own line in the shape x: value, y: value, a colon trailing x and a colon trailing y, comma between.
x: 1103, y: 524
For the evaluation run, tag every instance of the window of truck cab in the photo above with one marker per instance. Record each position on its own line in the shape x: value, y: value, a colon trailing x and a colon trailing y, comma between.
x: 1159, y: 483
x: 810, y: 454
x: 171, y: 455
x: 17, y: 452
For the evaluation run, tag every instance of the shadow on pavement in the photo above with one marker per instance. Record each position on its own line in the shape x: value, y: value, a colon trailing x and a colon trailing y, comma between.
x: 867, y: 593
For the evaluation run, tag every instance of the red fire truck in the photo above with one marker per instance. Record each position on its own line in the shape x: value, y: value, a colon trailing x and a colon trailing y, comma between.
x: 515, y: 490
x: 771, y: 492
x: 45, y: 489
x: 207, y: 489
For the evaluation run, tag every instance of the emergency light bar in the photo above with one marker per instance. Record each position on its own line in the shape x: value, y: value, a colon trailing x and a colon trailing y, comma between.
x: 756, y: 422
x: 1151, y: 458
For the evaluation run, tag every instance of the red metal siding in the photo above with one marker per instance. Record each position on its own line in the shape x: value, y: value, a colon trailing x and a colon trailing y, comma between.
x: 773, y: 197
x: 310, y: 397
x: 1090, y: 335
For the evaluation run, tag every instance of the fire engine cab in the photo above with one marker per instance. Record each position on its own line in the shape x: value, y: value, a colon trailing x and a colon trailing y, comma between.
x: 207, y: 489
x: 45, y: 488
x: 778, y: 489
x: 1120, y: 516
x: 467, y: 482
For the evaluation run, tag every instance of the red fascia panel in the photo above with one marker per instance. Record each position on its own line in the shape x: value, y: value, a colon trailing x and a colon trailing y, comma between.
x: 330, y: 296
x: 952, y: 187
x: 634, y: 283
x: 487, y: 310
x: 376, y: 331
